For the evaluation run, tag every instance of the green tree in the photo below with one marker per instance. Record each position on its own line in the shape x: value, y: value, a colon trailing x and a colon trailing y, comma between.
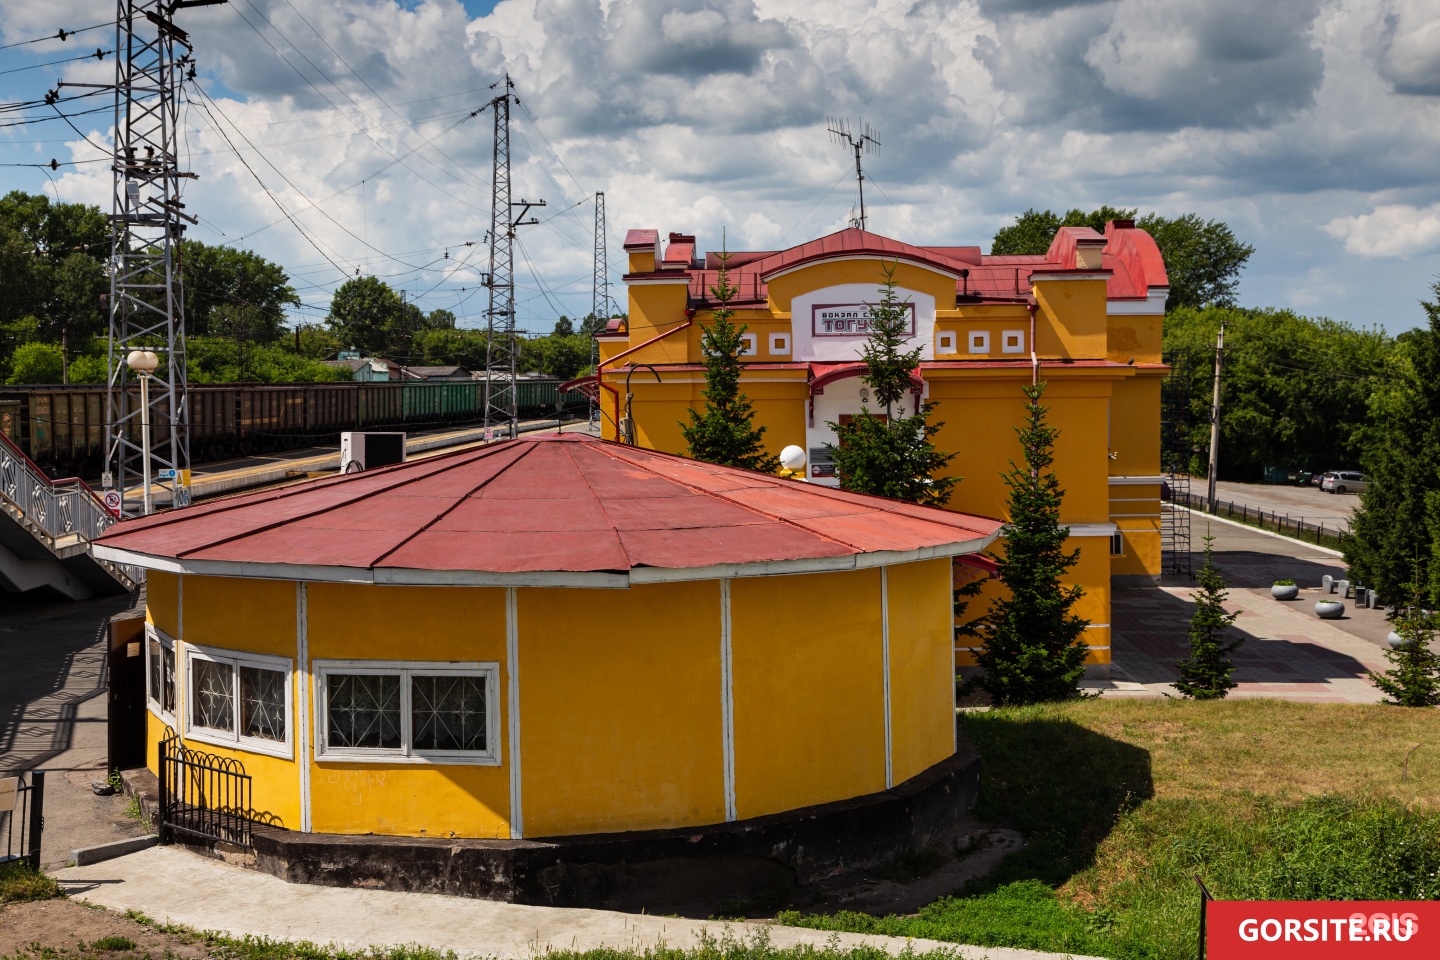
x: 890, y: 454
x: 44, y: 247
x: 1033, y: 646
x: 35, y: 363
x: 365, y: 313
x: 1203, y: 258
x: 1413, y: 679
x: 725, y: 433
x: 1397, y: 524
x: 556, y: 355
x: 1206, y: 673
x: 438, y: 347
x: 224, y: 278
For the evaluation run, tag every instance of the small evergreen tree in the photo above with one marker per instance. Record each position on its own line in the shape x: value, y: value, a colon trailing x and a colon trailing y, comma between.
x: 1205, y: 674
x: 891, y: 455
x: 1413, y: 679
x: 725, y: 433
x: 1034, y: 647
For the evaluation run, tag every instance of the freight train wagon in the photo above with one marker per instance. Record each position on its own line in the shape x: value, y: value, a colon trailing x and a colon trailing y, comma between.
x: 62, y: 428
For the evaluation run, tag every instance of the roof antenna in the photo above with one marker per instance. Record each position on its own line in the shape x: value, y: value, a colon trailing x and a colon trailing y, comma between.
x: 866, y: 142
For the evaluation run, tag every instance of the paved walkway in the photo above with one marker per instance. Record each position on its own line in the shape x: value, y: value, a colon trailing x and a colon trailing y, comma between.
x: 1310, y: 504
x: 1288, y: 652
x: 171, y: 884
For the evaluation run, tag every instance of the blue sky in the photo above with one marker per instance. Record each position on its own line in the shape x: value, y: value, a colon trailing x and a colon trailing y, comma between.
x: 1311, y: 126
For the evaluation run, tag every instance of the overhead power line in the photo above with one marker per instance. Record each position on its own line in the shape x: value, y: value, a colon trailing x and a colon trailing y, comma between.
x: 60, y: 35
x: 97, y: 55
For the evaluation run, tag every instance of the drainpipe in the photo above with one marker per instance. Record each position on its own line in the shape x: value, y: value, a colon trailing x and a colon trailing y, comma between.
x: 615, y: 394
x: 1034, y: 359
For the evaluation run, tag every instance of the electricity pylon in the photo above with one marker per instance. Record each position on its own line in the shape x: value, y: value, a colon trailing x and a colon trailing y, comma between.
x: 502, y: 345
x: 600, y: 296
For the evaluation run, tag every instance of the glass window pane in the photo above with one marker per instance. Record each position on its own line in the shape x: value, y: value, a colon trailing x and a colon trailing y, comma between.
x: 212, y: 694
x: 262, y: 703
x: 152, y: 670
x: 447, y: 712
x: 363, y: 710
x: 167, y: 691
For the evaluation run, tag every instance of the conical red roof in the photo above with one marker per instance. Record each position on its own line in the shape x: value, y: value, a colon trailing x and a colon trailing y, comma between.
x: 556, y: 509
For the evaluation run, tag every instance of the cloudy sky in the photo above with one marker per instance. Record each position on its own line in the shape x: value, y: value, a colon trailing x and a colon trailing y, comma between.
x: 1312, y: 127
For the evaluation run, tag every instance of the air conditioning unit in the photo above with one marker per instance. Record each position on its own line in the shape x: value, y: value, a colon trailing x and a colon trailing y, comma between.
x: 366, y: 451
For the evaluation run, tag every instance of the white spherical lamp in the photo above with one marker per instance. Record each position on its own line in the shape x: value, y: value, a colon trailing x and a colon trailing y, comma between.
x: 142, y: 361
x: 792, y: 457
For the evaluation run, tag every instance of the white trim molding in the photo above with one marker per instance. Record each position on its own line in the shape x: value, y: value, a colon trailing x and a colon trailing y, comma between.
x: 727, y: 703
x: 1136, y: 481
x: 1152, y: 305
x: 1070, y: 275
x: 157, y: 640
x: 235, y: 738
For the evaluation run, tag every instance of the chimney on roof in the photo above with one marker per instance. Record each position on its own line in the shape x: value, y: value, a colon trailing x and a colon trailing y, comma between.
x: 1123, y: 224
x: 1088, y: 251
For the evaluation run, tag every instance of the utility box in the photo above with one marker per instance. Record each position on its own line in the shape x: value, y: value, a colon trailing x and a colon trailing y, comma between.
x: 366, y: 451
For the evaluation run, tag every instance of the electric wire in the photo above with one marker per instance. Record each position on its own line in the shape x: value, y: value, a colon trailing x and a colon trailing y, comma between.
x: 97, y: 55
x: 62, y: 35
x: 822, y: 199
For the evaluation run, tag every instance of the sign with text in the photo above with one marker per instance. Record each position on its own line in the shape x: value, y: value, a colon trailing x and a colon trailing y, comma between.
x: 849, y: 319
x: 1321, y: 929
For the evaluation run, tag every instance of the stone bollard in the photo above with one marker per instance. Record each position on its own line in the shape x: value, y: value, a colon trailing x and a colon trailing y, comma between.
x: 1343, y: 588
x: 1327, y: 584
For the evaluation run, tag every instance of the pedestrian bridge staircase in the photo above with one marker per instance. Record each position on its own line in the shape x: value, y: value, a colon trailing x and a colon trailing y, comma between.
x: 45, y: 531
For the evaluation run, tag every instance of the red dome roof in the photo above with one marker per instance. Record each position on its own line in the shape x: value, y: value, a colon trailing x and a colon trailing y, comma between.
x: 542, y: 510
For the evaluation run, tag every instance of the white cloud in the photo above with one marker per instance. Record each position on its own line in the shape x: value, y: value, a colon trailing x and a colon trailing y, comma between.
x: 1392, y: 230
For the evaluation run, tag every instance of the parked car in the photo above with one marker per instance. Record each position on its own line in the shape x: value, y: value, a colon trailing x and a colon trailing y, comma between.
x: 1343, y: 481
x: 1319, y: 479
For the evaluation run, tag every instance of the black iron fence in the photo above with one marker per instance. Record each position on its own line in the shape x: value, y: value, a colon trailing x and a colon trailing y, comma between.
x: 202, y: 796
x: 1318, y: 532
x: 22, y: 817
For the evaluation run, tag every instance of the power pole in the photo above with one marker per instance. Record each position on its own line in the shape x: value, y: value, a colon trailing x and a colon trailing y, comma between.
x: 147, y: 305
x: 865, y: 143
x: 600, y: 295
x: 1215, y: 420
x: 502, y: 346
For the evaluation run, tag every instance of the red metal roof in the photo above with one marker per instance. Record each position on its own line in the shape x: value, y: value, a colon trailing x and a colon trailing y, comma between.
x: 542, y: 505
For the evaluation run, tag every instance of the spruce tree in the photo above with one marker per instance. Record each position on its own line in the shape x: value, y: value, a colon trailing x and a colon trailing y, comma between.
x: 1206, y: 673
x: 1034, y: 647
x: 890, y: 454
x: 1413, y: 679
x: 725, y: 433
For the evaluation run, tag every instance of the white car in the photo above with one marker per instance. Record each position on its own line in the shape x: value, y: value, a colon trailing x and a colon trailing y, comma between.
x: 1343, y: 481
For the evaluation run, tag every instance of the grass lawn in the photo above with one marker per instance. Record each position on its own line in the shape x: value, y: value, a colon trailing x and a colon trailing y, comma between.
x: 1123, y: 801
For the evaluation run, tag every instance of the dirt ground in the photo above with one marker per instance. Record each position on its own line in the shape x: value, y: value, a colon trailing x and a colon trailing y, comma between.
x: 71, y: 929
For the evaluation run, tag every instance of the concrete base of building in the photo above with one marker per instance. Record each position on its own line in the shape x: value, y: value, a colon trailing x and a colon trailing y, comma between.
x: 658, y: 871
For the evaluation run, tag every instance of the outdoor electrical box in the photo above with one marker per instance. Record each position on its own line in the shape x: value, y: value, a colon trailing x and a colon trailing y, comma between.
x: 366, y: 451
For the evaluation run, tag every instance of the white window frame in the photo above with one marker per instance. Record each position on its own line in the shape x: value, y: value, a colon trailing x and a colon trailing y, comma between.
x: 405, y: 753
x: 979, y: 341
x: 780, y: 344
x: 751, y: 345
x: 945, y: 341
x: 284, y: 749
x: 1117, y: 544
x: 153, y: 702
x: 1019, y: 346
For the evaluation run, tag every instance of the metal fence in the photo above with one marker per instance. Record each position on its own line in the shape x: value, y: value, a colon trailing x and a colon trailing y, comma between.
x: 22, y: 817
x: 62, y: 513
x: 1320, y: 533
x: 202, y: 796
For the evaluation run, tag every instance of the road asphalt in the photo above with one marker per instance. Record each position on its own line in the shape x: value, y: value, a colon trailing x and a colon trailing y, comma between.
x: 173, y: 885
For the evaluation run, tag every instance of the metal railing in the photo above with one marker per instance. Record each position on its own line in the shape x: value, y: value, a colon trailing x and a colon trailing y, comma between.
x: 59, y: 512
x: 22, y: 817
x: 202, y: 796
x: 1330, y: 535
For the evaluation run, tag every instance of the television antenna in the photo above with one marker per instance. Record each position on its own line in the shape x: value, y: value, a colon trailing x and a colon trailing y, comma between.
x: 865, y: 142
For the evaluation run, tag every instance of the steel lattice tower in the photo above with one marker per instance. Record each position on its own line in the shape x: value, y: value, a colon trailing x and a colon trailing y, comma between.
x: 600, y: 293
x: 147, y: 310
x: 502, y: 344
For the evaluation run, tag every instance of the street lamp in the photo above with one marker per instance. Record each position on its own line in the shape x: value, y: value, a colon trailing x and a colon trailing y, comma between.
x: 144, y: 362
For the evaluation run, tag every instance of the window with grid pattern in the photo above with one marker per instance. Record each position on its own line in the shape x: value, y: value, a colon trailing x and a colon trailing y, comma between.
x: 413, y: 711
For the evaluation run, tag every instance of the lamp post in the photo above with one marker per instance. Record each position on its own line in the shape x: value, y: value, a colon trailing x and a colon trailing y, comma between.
x: 144, y: 362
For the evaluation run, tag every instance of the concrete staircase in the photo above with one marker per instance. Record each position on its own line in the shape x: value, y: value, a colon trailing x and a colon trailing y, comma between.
x: 45, y: 531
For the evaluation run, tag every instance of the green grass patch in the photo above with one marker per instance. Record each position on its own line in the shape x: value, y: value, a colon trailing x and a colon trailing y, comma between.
x: 1123, y: 803
x: 18, y: 884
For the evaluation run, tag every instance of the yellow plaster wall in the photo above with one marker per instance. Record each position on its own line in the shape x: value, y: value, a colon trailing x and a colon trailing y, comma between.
x: 1134, y: 337
x: 162, y: 596
x: 620, y: 706
x: 922, y: 681
x: 252, y: 616
x: 654, y: 309
x: 806, y: 658
x: 660, y: 408
x: 1071, y: 321
x: 1135, y: 427
x: 363, y: 622
x: 783, y: 289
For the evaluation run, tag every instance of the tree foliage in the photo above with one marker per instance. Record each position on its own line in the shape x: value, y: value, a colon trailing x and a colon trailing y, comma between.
x: 1033, y: 647
x: 1295, y: 391
x: 1203, y: 258
x: 891, y: 454
x: 1206, y: 673
x: 1413, y: 679
x: 1396, y: 529
x: 725, y: 433
x: 223, y: 282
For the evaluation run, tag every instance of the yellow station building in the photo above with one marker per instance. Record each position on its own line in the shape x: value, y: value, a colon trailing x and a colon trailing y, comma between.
x: 1085, y: 318
x: 550, y: 637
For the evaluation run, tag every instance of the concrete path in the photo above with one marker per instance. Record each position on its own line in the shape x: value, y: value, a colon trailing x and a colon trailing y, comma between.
x: 53, y: 712
x: 1288, y: 653
x: 170, y: 884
